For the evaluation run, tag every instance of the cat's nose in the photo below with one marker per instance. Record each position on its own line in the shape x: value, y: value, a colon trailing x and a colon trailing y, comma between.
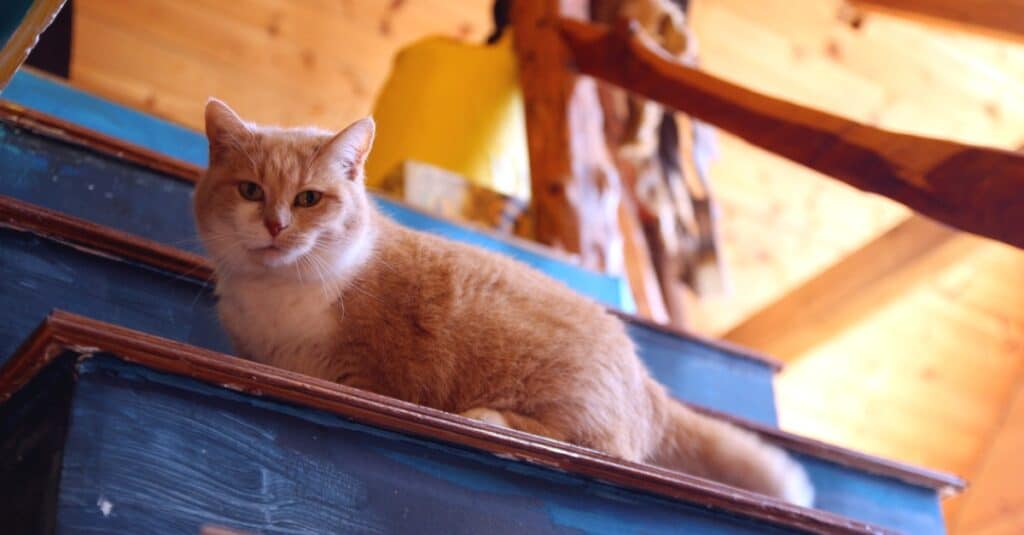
x: 274, y: 227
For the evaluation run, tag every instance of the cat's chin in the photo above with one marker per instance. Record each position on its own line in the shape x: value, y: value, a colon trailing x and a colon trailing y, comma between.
x: 274, y: 256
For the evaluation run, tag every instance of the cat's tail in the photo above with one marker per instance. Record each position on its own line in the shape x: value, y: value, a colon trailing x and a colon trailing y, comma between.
x: 703, y: 446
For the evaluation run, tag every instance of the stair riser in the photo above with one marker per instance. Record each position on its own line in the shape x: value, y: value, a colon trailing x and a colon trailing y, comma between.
x: 176, y: 454
x: 38, y: 275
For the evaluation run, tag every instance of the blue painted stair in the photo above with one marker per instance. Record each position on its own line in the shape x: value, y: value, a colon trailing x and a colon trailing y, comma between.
x: 69, y: 257
x: 127, y: 433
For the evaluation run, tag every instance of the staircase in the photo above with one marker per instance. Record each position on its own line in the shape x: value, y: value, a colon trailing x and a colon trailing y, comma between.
x: 124, y: 414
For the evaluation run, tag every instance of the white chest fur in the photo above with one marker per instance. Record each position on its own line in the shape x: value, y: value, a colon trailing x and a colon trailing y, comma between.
x: 281, y: 323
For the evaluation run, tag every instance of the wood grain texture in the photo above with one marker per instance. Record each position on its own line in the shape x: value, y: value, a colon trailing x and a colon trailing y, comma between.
x: 853, y: 288
x: 976, y: 189
x: 995, y: 505
x: 276, y: 61
x: 63, y: 331
x: 575, y: 188
x: 1000, y: 18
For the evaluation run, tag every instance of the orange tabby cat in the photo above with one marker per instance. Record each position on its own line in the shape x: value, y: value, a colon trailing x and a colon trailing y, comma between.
x: 312, y: 279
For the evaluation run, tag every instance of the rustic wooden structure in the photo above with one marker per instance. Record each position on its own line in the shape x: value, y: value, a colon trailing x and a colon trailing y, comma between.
x: 575, y: 187
x: 977, y: 189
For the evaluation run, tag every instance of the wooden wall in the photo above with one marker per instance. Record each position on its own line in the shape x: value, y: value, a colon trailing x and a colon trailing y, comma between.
x: 276, y: 61
x: 925, y: 378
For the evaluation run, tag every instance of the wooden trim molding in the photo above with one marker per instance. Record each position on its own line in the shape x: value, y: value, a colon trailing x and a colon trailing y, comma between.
x: 102, y: 240
x: 68, y: 132
x: 945, y: 484
x: 25, y: 217
x: 976, y: 189
x: 62, y: 332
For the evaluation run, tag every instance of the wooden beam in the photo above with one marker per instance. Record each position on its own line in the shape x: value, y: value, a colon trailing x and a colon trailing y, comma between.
x: 18, y: 40
x: 999, y: 18
x: 858, y: 284
x: 995, y: 502
x: 574, y: 186
x: 976, y: 189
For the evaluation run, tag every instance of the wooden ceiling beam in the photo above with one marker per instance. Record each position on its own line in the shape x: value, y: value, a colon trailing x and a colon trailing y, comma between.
x: 999, y: 18
x: 976, y: 189
x: 845, y: 293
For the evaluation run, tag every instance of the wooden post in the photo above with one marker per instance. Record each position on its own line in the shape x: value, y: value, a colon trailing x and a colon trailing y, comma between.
x: 575, y: 187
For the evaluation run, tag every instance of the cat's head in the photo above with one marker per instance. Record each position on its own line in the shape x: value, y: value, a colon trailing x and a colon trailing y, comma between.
x: 284, y: 202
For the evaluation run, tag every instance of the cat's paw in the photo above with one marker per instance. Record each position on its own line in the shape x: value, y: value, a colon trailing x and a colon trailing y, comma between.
x: 489, y: 416
x: 794, y: 486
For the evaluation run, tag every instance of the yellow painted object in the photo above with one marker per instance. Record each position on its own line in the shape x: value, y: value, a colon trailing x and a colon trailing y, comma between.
x: 457, y: 106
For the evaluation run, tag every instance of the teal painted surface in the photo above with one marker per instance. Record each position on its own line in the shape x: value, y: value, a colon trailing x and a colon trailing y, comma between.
x: 161, y: 136
x: 170, y: 454
x: 60, y: 100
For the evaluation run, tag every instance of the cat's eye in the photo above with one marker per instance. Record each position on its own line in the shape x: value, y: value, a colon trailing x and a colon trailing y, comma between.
x: 305, y: 199
x: 250, y: 191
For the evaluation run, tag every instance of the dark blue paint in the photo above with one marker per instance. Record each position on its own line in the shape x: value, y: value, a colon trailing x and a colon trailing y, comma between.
x: 33, y: 430
x: 38, y: 275
x: 708, y: 376
x: 120, y: 122
x: 875, y: 499
x: 170, y: 454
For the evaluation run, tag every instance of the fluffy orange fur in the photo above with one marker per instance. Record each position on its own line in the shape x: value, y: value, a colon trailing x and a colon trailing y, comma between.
x: 344, y: 294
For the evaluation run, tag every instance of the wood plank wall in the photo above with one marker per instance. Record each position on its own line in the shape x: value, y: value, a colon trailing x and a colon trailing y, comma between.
x: 289, y: 63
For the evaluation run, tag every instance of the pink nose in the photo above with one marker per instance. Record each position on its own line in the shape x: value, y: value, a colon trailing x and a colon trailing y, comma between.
x: 274, y: 227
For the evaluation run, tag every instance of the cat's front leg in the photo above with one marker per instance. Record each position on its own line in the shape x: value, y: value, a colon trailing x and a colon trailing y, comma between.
x: 513, y: 420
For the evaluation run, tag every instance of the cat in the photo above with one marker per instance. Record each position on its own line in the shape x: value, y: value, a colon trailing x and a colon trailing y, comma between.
x: 312, y: 279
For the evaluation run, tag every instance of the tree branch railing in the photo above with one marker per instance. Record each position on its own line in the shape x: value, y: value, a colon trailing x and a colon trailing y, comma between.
x: 975, y: 189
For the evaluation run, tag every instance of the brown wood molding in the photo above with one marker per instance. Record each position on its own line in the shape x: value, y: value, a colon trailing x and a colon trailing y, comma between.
x: 63, y: 331
x: 22, y: 216
x: 53, y: 127
x: 945, y: 484
x: 976, y: 189
x: 996, y: 18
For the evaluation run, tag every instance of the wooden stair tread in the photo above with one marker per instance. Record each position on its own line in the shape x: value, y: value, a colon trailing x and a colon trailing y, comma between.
x: 113, y: 243
x: 63, y: 331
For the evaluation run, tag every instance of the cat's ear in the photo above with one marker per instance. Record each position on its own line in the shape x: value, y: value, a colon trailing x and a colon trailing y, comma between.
x: 350, y: 147
x: 224, y: 128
